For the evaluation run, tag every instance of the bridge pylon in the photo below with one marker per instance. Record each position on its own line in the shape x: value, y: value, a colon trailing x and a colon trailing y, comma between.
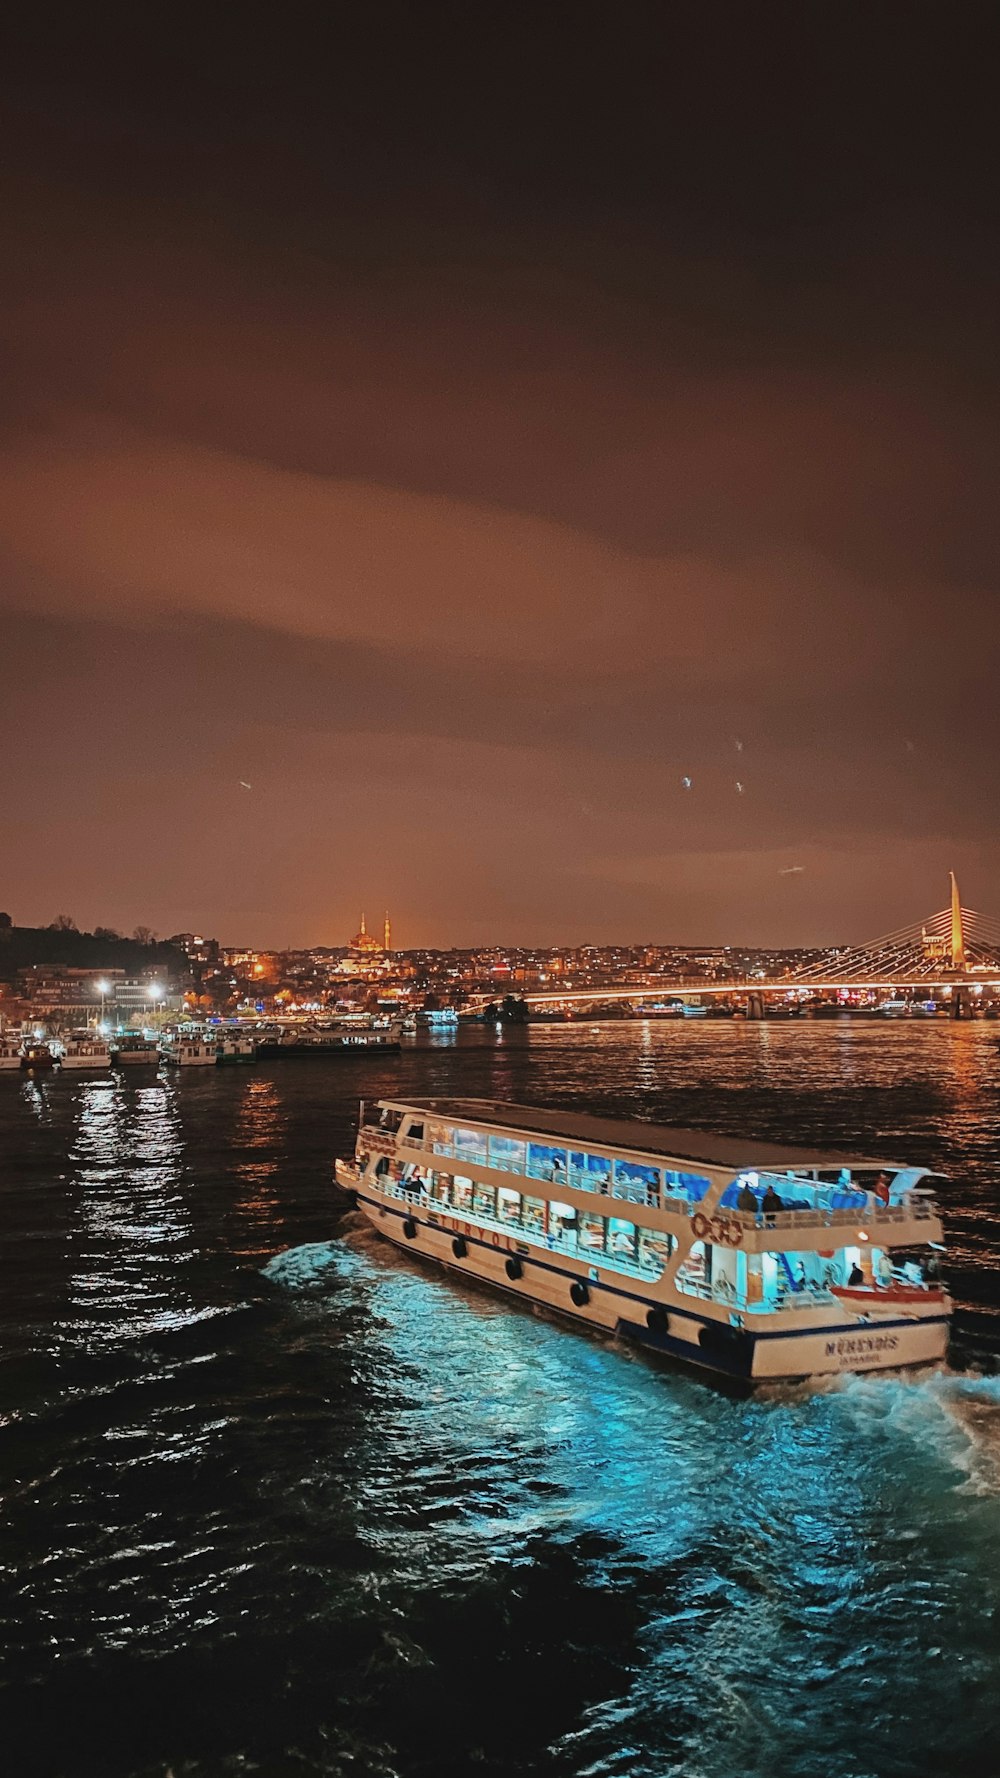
x: 957, y: 928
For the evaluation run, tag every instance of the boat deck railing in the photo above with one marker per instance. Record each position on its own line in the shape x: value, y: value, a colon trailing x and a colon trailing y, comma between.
x: 567, y: 1243
x: 806, y: 1203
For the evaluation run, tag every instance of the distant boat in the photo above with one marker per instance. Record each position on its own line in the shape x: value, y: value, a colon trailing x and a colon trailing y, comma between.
x: 132, y: 1050
x: 11, y: 1054
x: 234, y: 1047
x: 328, y: 1040
x: 84, y: 1050
x: 189, y: 1052
x: 37, y: 1056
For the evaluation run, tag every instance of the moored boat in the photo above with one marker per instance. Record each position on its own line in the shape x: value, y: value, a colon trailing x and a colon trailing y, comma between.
x: 329, y: 1040
x: 84, y: 1050
x: 234, y: 1047
x: 189, y: 1052
x: 37, y: 1056
x: 743, y: 1258
x: 132, y: 1050
x: 11, y: 1055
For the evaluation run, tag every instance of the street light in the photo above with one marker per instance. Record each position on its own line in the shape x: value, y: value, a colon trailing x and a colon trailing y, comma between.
x: 103, y: 988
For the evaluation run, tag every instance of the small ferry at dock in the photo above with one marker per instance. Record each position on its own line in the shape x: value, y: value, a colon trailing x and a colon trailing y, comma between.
x: 744, y: 1258
x: 84, y: 1051
x: 316, y: 1041
x: 132, y: 1050
x: 189, y: 1051
x: 11, y: 1054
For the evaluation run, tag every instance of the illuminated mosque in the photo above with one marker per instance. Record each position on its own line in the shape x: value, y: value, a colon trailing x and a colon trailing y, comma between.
x: 365, y: 943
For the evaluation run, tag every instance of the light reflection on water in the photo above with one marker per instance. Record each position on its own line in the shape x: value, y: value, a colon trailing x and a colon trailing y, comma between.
x: 135, y: 1223
x: 353, y: 1517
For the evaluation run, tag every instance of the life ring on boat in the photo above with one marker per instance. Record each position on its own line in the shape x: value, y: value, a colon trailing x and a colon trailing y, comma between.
x: 579, y: 1293
x: 657, y: 1320
x: 700, y: 1226
x: 513, y: 1269
x: 825, y: 1253
x: 459, y: 1247
x: 410, y: 1229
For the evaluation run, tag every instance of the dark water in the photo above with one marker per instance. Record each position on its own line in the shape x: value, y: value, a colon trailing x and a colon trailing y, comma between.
x: 278, y: 1501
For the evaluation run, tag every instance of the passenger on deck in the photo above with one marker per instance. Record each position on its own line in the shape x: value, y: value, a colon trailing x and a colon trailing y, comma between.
x: 856, y: 1278
x: 772, y: 1202
x: 880, y: 1189
x: 746, y: 1198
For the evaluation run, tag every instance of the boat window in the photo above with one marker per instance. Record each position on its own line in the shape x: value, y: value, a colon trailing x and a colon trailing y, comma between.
x: 637, y: 1181
x: 592, y: 1231
x: 533, y: 1212
x: 654, y: 1248
x: 470, y: 1145
x: 440, y: 1187
x: 692, y: 1186
x: 462, y: 1193
x: 590, y: 1172
x: 508, y: 1204
x: 562, y: 1218
x: 693, y: 1271
x: 484, y: 1200
x: 383, y: 1119
x: 621, y: 1238
x: 545, y: 1162
x: 415, y: 1133
x: 507, y: 1154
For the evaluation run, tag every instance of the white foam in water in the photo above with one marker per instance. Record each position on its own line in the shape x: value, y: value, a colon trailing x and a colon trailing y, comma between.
x: 955, y: 1415
x: 298, y: 1267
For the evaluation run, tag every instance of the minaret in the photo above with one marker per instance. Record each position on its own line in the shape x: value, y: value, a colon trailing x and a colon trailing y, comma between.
x: 363, y: 933
x: 387, y: 933
x: 957, y: 929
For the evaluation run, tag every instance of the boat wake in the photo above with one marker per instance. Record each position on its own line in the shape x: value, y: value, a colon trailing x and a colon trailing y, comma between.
x: 955, y: 1414
x: 302, y: 1268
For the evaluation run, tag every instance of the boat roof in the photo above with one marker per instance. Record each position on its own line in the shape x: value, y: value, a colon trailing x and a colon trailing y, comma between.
x: 620, y: 1134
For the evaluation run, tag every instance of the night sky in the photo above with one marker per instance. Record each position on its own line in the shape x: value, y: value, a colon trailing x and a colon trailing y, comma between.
x: 463, y: 425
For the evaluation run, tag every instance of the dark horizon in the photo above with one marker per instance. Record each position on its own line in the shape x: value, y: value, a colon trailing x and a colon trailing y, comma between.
x: 539, y: 477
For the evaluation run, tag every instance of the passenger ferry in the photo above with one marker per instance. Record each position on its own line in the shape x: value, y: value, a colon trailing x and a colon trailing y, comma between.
x: 744, y: 1258
x: 132, y: 1050
x: 11, y: 1054
x: 234, y: 1048
x: 84, y: 1050
x: 328, y: 1040
x: 189, y: 1052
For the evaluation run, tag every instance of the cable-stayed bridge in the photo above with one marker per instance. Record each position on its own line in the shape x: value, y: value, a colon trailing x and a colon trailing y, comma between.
x: 955, y: 951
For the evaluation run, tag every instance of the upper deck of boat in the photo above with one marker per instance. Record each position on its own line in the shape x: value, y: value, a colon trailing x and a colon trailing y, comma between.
x: 623, y: 1136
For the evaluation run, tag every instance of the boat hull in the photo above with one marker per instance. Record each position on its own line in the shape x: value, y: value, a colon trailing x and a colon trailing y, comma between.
x: 79, y: 1064
x: 618, y: 1305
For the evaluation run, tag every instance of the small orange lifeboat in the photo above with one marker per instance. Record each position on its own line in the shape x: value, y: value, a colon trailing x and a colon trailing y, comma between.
x: 869, y: 1295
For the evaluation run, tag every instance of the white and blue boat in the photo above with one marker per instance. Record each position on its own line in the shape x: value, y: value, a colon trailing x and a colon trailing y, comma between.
x: 744, y: 1258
